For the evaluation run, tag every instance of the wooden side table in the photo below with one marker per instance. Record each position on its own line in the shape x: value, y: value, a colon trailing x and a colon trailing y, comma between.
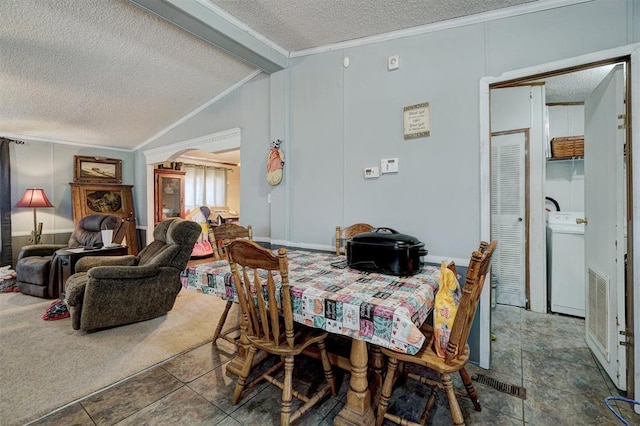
x: 67, y: 260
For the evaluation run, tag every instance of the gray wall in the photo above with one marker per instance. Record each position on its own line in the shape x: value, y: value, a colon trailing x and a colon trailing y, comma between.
x: 246, y: 108
x: 50, y: 166
x: 335, y: 121
x: 344, y: 119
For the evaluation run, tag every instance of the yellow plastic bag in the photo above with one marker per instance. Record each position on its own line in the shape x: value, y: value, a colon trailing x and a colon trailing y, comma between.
x: 445, y: 308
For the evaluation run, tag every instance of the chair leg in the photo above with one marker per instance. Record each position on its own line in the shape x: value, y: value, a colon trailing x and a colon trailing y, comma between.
x: 287, y: 387
x: 454, y: 407
x: 222, y: 320
x: 326, y: 366
x: 242, y: 378
x: 471, y: 391
x: 387, y: 386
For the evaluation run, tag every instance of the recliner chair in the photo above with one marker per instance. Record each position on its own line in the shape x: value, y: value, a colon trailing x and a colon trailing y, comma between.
x: 36, y: 270
x: 117, y: 290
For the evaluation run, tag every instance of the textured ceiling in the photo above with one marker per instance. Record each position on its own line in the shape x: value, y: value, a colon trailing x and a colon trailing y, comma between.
x: 110, y: 73
x: 576, y: 86
x: 297, y: 25
x: 102, y: 72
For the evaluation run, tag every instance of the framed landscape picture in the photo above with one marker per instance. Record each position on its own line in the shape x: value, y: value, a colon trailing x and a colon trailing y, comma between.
x: 97, y: 170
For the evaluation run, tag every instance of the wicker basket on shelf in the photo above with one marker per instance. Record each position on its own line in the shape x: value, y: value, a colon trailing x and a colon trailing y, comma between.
x: 567, y: 147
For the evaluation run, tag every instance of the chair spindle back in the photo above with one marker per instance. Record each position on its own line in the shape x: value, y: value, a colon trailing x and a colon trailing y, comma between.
x: 474, y: 282
x: 350, y: 232
x: 252, y: 267
x: 228, y: 232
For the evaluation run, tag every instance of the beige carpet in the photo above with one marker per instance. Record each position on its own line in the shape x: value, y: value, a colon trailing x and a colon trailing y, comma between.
x: 47, y: 364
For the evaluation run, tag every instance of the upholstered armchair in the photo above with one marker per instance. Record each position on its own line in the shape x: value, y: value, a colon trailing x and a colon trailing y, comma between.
x: 117, y: 290
x: 36, y: 266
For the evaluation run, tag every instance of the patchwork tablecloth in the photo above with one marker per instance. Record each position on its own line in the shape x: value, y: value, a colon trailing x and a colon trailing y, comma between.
x: 382, y: 309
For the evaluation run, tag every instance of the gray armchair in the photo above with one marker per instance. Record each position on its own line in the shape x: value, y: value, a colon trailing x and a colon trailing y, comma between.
x: 36, y: 266
x: 117, y: 290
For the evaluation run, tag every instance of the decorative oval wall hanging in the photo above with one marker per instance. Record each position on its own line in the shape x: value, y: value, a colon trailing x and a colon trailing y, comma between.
x: 275, y: 163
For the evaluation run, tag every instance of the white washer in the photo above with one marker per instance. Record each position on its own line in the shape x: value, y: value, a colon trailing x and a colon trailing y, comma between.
x: 565, y: 263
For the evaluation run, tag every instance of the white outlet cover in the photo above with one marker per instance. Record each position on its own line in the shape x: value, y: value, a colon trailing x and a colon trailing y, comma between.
x: 389, y: 165
x: 393, y: 63
x: 371, y: 172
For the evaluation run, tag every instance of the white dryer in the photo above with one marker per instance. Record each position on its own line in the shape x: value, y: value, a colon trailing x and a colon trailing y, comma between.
x: 565, y: 263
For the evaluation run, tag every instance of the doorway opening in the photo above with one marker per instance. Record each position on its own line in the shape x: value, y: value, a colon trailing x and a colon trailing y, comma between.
x: 557, y: 180
x: 221, y: 147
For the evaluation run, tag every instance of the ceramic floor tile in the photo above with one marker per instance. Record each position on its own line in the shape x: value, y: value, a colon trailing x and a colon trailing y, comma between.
x: 562, y: 374
x: 506, y: 315
x: 195, y: 363
x: 265, y: 407
x: 564, y: 385
x: 548, y: 405
x: 489, y: 397
x: 124, y: 399
x: 505, y: 338
x: 507, y: 361
x: 71, y: 415
x: 217, y: 386
x: 330, y: 417
x: 613, y: 391
x: 575, y: 350
x: 625, y: 410
x: 229, y: 421
x: 183, y: 406
x: 486, y: 417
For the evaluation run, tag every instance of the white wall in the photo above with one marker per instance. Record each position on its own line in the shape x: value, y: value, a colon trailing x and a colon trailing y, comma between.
x: 565, y: 178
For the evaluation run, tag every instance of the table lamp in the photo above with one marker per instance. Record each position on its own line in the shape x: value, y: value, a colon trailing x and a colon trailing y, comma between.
x: 35, y: 198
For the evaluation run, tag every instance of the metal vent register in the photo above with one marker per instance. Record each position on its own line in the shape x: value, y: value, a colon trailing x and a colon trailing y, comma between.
x: 510, y: 389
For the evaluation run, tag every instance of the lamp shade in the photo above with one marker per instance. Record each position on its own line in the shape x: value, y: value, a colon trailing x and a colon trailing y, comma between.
x: 34, y: 197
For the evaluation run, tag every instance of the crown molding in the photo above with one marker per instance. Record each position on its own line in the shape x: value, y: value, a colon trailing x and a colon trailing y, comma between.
x: 27, y: 138
x: 493, y: 15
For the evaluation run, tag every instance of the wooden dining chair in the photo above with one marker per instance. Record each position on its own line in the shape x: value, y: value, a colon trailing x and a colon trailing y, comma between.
x: 456, y: 353
x: 349, y: 232
x: 220, y: 234
x: 253, y: 269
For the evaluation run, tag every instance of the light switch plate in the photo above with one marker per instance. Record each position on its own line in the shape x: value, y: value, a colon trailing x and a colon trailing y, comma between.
x: 389, y: 165
x: 371, y: 172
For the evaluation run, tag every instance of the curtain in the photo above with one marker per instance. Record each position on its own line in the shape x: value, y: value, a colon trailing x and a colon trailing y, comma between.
x: 204, y: 186
x: 6, y: 252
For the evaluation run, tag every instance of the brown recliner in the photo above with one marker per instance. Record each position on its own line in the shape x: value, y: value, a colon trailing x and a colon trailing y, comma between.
x: 36, y: 266
x: 116, y: 290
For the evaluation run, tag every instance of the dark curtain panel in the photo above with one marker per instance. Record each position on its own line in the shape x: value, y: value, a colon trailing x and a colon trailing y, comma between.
x: 6, y: 253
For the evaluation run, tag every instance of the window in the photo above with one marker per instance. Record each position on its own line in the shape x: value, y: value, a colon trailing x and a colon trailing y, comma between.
x: 204, y: 186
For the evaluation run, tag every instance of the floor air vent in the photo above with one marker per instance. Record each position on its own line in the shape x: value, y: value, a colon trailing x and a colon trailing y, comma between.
x: 514, y: 390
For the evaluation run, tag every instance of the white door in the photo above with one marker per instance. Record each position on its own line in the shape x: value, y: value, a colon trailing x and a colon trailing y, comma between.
x: 604, y: 231
x: 507, y: 216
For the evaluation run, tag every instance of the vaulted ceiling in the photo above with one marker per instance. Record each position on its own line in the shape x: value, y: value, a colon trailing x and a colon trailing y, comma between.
x: 117, y: 73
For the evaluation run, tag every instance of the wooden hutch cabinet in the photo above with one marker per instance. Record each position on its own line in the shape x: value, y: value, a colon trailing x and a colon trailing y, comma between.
x: 169, y: 194
x: 88, y: 198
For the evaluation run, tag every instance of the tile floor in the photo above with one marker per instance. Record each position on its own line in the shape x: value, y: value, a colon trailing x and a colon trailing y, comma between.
x: 545, y: 354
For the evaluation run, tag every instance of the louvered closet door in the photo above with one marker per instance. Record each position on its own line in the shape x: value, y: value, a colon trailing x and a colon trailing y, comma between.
x: 508, y: 216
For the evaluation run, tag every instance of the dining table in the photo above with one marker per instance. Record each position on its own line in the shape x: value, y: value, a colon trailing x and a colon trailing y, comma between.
x: 369, y: 308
